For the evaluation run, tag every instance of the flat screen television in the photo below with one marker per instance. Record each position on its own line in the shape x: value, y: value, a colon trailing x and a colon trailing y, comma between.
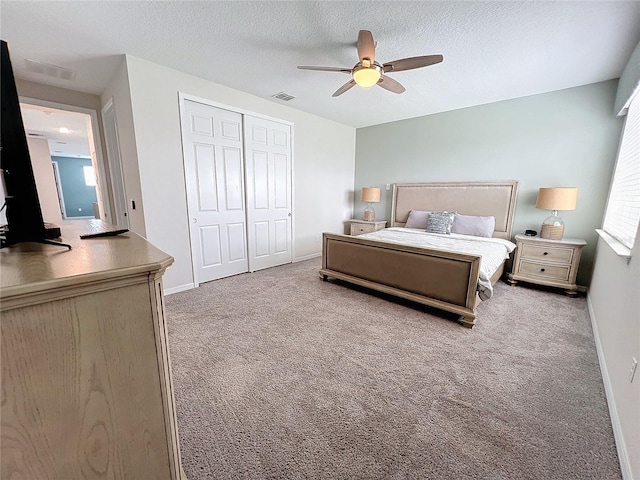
x: 24, y: 216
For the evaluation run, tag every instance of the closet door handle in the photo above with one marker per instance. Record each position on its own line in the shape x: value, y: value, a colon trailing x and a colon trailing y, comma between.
x: 195, y: 220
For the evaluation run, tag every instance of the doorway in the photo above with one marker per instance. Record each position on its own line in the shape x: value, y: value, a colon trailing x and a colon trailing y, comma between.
x: 68, y: 135
x: 76, y: 185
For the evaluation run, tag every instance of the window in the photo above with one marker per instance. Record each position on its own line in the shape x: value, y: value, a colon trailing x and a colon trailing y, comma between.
x: 623, y: 209
x: 89, y: 176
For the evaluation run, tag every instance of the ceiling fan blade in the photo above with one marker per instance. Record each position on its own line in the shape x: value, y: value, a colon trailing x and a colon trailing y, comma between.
x: 344, y: 88
x: 366, y: 47
x: 411, y: 63
x: 390, y: 84
x: 326, y: 69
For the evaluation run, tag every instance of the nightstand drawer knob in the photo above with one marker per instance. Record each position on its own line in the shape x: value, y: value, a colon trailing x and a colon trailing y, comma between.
x: 546, y: 253
x: 542, y: 269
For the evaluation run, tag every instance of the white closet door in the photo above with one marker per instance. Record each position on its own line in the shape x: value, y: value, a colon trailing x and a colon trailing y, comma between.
x: 268, y: 174
x: 212, y: 144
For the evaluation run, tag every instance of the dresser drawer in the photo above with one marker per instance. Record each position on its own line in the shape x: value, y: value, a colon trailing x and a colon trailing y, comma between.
x: 552, y: 272
x: 360, y: 228
x: 546, y: 253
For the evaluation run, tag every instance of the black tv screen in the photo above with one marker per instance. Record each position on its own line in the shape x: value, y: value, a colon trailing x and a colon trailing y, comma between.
x: 24, y: 217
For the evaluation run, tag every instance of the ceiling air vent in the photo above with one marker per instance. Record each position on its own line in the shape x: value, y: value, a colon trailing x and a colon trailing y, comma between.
x: 50, y: 70
x: 283, y: 96
x: 36, y: 135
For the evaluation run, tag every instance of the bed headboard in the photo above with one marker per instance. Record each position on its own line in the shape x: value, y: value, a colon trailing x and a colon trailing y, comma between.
x: 468, y: 198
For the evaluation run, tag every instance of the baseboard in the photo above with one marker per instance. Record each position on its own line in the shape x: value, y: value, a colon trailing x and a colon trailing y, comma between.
x: 621, y: 448
x: 179, y: 288
x: 307, y: 257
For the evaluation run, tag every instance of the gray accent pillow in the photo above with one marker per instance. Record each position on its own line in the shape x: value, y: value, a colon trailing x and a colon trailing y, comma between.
x: 474, y: 225
x: 417, y: 219
x: 440, y: 222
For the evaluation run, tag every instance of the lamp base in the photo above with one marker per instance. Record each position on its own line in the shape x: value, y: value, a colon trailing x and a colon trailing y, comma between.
x: 552, y: 227
x: 369, y: 214
x: 552, y: 232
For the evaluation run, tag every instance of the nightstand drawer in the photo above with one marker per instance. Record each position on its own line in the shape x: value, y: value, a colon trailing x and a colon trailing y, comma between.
x: 555, y: 272
x: 546, y: 253
x: 360, y: 228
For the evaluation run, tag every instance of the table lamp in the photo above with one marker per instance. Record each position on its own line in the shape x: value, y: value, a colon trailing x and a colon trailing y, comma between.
x: 554, y: 199
x: 369, y: 195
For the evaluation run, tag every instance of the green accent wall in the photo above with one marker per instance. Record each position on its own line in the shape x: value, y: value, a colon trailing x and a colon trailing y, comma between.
x: 564, y: 138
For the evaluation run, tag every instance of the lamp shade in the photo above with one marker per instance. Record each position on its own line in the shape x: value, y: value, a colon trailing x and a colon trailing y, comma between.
x: 370, y: 194
x: 557, y: 198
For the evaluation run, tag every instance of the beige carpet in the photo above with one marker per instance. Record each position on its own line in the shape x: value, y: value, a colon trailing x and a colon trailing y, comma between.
x: 281, y: 375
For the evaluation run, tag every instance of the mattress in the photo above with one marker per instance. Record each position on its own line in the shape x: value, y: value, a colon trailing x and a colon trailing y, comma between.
x: 493, y: 251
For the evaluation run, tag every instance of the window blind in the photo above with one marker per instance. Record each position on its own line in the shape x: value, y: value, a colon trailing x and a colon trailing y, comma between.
x: 623, y: 208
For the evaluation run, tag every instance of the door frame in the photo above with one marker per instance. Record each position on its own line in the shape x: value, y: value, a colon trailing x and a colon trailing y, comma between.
x: 97, y: 159
x: 114, y: 160
x: 56, y: 176
x: 182, y: 97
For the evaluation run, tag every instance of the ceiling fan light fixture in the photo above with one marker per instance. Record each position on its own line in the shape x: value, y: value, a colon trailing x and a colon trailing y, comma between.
x: 367, y: 76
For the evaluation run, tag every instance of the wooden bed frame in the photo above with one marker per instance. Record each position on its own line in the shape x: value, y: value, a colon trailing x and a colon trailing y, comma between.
x: 445, y: 280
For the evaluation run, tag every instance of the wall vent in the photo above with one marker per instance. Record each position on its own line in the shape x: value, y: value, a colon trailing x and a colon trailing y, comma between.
x: 283, y: 96
x: 50, y: 70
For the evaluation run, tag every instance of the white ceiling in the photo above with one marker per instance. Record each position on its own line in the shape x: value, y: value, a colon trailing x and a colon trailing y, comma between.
x: 45, y: 123
x: 492, y: 50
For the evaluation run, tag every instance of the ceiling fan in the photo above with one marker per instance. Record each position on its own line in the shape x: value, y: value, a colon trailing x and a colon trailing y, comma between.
x: 367, y: 72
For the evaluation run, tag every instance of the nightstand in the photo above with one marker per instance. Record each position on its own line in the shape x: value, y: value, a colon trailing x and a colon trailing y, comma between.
x: 358, y: 227
x: 547, y: 262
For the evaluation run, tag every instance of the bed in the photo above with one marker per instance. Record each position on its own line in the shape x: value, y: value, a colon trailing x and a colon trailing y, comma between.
x: 433, y: 276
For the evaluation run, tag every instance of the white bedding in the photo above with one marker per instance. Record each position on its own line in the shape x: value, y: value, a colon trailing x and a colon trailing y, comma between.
x: 492, y: 250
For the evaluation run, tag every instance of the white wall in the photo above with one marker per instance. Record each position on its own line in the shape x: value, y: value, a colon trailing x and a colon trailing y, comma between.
x: 45, y: 180
x: 323, y: 161
x: 564, y: 138
x: 614, y: 298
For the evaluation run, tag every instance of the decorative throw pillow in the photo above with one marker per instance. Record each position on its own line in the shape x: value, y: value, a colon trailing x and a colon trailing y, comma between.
x: 474, y: 225
x: 440, y: 222
x: 417, y: 219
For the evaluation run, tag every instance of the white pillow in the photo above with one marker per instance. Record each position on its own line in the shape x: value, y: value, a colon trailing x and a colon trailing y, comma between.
x: 474, y: 225
x: 417, y: 219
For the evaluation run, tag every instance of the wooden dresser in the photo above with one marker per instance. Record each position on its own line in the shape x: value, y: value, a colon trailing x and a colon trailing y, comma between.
x: 86, y: 378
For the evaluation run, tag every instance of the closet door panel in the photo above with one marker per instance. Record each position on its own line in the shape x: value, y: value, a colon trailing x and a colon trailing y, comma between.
x: 214, y: 173
x: 268, y: 179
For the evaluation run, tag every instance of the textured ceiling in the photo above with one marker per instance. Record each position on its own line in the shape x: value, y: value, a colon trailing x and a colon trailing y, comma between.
x: 492, y: 50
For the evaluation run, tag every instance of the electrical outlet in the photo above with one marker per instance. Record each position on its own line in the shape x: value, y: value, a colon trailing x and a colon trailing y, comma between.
x: 632, y: 371
x: 388, y: 186
x: 316, y: 237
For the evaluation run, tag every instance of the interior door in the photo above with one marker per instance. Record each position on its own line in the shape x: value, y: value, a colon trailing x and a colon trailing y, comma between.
x: 268, y: 174
x: 212, y: 144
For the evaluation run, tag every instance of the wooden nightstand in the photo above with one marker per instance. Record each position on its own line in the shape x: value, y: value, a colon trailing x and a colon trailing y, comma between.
x: 358, y: 227
x: 547, y: 262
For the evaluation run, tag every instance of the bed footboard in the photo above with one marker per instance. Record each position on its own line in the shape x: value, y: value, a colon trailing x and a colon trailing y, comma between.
x: 440, y: 279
